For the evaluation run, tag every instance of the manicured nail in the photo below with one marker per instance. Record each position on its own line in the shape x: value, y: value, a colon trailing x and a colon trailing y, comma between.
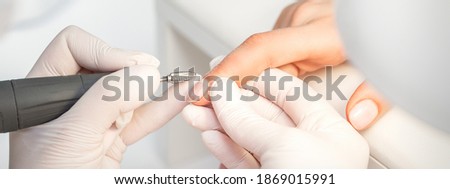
x: 363, y: 113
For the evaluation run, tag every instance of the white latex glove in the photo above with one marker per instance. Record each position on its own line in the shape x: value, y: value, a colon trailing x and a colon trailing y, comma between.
x: 88, y: 135
x: 306, y: 134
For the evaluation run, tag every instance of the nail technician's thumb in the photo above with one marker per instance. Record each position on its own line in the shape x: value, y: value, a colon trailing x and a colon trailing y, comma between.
x: 365, y: 107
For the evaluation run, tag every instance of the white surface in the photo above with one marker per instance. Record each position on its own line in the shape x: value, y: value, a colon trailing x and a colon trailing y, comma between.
x: 400, y: 140
x: 125, y: 24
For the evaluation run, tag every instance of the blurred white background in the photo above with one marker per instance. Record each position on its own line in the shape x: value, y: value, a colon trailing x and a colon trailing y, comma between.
x: 126, y: 24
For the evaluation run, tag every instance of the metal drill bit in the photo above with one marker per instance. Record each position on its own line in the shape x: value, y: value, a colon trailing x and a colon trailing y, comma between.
x: 180, y: 77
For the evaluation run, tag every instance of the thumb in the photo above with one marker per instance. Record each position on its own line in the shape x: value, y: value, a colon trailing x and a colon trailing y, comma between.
x: 111, y: 96
x: 365, y: 107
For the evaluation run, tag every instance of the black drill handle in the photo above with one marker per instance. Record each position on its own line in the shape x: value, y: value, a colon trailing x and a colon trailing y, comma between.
x: 34, y: 101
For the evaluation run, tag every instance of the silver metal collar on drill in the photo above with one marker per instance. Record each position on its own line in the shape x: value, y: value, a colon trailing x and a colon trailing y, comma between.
x: 180, y: 77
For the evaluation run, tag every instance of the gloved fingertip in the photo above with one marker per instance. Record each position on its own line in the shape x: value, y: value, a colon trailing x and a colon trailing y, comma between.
x: 143, y: 58
x: 363, y: 114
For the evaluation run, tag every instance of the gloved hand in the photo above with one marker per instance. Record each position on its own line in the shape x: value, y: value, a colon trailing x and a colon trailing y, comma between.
x: 94, y: 133
x: 305, y: 38
x: 294, y: 134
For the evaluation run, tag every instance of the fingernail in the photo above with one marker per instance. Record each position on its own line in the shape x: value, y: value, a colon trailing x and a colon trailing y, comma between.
x: 196, y: 93
x: 363, y: 113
